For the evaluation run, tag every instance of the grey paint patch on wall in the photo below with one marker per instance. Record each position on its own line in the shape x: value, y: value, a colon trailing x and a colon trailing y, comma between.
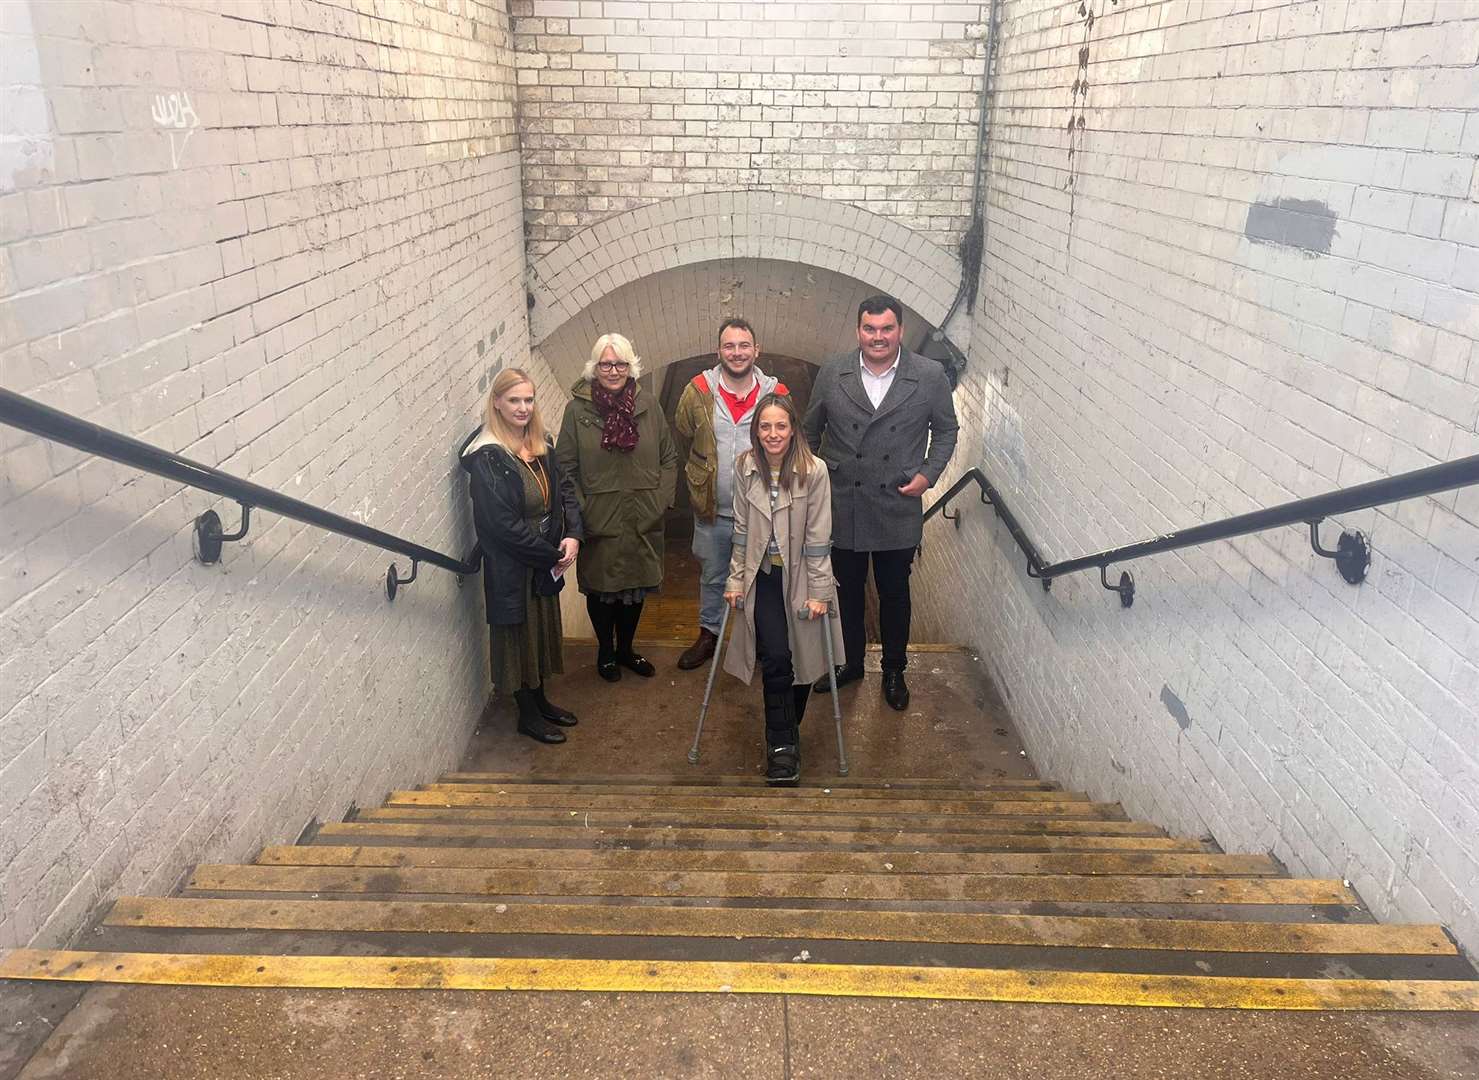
x: 1175, y: 708
x: 1305, y: 224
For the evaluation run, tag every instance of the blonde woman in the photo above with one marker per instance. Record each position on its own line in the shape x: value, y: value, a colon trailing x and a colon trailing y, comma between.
x: 781, y: 567
x: 615, y: 447
x: 529, y: 529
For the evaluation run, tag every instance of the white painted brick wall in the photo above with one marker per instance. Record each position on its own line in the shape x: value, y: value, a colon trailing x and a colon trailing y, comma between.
x: 309, y: 290
x: 622, y: 104
x: 1138, y: 364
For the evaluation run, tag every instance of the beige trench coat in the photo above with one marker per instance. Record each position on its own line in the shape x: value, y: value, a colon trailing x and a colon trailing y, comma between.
x: 803, y: 531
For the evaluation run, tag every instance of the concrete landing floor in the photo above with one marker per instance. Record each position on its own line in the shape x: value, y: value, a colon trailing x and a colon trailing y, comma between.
x: 148, y: 1032
x: 957, y: 728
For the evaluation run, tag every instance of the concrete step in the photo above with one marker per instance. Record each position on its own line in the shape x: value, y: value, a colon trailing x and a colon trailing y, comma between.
x: 1108, y: 820
x: 496, y: 834
x: 688, y: 976
x: 664, y: 860
x: 780, y: 923
x: 856, y: 786
x: 768, y: 800
x: 1020, y: 888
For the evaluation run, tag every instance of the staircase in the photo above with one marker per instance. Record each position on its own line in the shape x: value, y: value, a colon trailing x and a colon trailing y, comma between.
x: 908, y: 888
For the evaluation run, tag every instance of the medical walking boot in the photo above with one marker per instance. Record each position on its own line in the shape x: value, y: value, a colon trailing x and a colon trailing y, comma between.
x: 782, y: 740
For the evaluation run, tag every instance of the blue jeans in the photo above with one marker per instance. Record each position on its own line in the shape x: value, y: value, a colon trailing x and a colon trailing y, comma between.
x: 712, y: 545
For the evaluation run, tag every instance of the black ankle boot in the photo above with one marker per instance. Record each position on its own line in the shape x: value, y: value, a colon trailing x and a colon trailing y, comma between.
x: 531, y: 723
x: 553, y: 713
x: 782, y: 740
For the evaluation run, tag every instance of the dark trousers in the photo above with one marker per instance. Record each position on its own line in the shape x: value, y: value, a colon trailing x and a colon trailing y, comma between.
x: 772, y: 634
x: 773, y: 653
x: 891, y: 577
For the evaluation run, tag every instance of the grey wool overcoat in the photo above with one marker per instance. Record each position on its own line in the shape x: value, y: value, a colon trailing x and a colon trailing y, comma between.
x: 871, y: 453
x: 802, y: 523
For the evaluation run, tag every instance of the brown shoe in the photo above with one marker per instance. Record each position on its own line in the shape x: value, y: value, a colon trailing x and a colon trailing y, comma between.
x: 699, y: 653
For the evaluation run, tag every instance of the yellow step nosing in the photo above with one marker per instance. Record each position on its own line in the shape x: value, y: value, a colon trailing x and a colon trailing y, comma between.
x: 762, y: 839
x: 843, y: 783
x: 759, y: 791
x: 1071, y: 931
x: 1059, y: 888
x: 1093, y: 863
x: 891, y: 981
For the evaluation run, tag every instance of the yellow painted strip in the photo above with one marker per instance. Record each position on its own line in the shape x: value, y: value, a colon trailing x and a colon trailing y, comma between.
x: 845, y: 980
x: 876, y: 795
x: 910, y: 784
x: 1064, y: 888
x: 873, y: 799
x: 792, y: 924
x: 650, y: 819
x: 751, y: 839
x: 1140, y: 863
x: 456, y: 795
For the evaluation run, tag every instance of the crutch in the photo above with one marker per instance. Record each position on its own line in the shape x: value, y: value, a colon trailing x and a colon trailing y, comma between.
x: 713, y: 670
x: 805, y: 613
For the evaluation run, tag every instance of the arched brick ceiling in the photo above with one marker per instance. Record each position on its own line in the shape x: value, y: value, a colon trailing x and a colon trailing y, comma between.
x: 800, y: 311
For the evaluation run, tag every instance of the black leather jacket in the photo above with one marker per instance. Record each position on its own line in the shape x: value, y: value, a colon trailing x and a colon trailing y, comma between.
x: 510, y: 547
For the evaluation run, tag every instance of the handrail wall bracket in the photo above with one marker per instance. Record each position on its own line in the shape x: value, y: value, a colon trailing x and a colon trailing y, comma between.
x: 394, y: 581
x: 209, y: 538
x: 1126, y: 587
x: 1352, y: 554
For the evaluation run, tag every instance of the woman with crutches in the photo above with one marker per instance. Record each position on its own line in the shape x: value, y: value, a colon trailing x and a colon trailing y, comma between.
x: 780, y: 577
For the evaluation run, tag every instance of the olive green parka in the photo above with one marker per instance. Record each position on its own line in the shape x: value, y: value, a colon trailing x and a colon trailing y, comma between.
x: 623, y: 497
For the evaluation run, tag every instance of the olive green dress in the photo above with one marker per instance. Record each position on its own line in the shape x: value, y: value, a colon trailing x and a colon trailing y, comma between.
x: 523, y: 655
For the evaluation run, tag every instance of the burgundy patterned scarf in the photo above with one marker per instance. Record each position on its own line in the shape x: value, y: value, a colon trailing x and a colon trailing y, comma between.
x: 619, y: 427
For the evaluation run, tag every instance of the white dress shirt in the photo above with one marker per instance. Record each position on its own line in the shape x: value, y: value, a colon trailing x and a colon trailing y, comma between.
x: 876, y: 386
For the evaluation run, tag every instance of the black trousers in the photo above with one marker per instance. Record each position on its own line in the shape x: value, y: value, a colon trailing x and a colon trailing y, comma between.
x: 772, y: 633
x: 891, y: 577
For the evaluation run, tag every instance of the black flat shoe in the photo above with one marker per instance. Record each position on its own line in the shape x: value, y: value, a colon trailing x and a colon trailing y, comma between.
x: 556, y: 715
x: 895, y: 690
x: 608, y: 670
x: 845, y: 675
x: 541, y: 732
x: 638, y: 663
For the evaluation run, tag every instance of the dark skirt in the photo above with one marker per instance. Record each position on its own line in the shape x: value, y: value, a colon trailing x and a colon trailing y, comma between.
x: 523, y: 655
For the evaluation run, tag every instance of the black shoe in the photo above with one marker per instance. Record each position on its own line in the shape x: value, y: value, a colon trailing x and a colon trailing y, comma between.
x: 531, y: 723
x: 553, y: 713
x: 845, y: 674
x: 895, y: 690
x: 540, y: 730
x: 699, y: 653
x: 607, y: 669
x: 638, y: 663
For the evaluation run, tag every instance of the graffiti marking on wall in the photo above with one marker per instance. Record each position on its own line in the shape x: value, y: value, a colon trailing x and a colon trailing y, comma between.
x: 175, y: 114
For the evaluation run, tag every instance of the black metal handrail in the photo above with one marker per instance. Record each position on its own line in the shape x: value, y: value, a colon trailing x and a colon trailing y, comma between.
x: 22, y: 412
x: 1352, y: 555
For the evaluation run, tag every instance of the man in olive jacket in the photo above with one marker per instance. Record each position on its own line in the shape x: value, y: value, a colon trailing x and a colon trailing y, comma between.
x: 883, y: 420
x: 714, y: 413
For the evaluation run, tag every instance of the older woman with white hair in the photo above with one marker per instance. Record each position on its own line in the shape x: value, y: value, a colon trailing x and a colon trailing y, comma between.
x: 615, y: 445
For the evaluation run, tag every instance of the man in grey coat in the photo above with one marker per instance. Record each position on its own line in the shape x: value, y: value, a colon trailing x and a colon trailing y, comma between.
x: 883, y: 420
